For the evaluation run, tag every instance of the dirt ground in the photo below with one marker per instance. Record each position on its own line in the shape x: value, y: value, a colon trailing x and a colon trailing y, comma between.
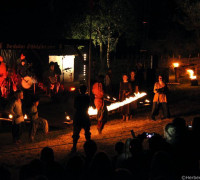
x: 183, y: 102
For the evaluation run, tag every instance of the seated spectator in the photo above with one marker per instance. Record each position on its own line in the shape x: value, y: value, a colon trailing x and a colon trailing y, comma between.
x: 180, y: 125
x: 90, y: 148
x: 157, y: 143
x: 32, y: 170
x: 53, y: 169
x: 162, y: 166
x: 170, y: 133
x: 135, y: 163
x: 100, y: 167
x: 120, y: 156
x: 196, y: 126
x: 75, y: 167
x: 37, y: 121
x: 4, y: 173
x: 122, y: 173
x: 127, y: 149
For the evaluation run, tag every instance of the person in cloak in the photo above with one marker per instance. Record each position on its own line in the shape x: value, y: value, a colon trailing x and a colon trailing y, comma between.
x: 99, y: 93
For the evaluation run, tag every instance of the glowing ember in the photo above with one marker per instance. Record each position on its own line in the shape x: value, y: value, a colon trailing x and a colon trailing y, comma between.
x: 191, y: 74
x: 113, y: 106
x: 10, y: 116
x: 147, y: 101
x: 176, y: 65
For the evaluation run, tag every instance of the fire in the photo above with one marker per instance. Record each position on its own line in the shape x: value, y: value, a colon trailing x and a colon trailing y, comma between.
x: 113, y: 106
x: 25, y: 116
x: 191, y: 74
x: 67, y: 117
x: 176, y: 65
x: 10, y: 116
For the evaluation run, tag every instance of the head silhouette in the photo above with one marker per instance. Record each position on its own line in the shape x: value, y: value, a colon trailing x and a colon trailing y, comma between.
x: 47, y: 154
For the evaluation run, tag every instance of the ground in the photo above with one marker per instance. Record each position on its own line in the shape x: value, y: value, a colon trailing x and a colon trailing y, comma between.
x: 183, y: 102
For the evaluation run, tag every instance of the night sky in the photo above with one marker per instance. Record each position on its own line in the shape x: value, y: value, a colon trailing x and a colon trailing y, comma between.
x: 51, y: 20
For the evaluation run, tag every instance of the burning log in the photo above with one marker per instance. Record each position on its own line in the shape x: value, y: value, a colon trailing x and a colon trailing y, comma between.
x: 116, y: 105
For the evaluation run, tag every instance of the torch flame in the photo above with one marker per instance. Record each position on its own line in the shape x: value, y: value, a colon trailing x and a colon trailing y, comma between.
x: 10, y: 116
x: 25, y: 116
x: 191, y: 74
x: 146, y: 100
x: 67, y: 117
x: 176, y: 65
x: 113, y: 106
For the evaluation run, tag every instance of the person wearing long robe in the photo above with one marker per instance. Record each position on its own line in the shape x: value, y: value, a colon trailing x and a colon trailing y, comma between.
x: 124, y: 92
x: 160, y: 99
x: 98, y: 91
x: 135, y: 89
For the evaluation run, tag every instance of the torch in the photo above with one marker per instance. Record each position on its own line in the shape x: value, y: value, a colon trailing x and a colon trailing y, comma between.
x: 193, y: 78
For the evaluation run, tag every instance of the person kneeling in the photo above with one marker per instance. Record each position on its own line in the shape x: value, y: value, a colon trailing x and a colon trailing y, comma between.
x: 37, y: 121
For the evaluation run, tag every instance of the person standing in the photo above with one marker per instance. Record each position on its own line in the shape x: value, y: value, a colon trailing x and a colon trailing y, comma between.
x: 160, y: 99
x: 37, y: 121
x: 135, y: 89
x: 124, y: 92
x: 81, y: 116
x: 108, y: 82
x: 98, y: 91
x: 16, y: 110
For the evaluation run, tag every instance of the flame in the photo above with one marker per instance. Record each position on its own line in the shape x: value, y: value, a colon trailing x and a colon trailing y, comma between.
x: 191, y: 74
x: 147, y: 101
x: 176, y: 65
x: 25, y: 116
x: 72, y: 89
x: 113, y: 106
x: 10, y: 116
x: 67, y: 117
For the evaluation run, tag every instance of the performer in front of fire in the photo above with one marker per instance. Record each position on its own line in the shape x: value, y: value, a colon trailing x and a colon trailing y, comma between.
x: 102, y: 113
x: 36, y: 121
x: 15, y: 108
x: 160, y: 99
x: 3, y: 73
x: 124, y: 92
x: 135, y: 89
x: 81, y: 116
x: 51, y: 79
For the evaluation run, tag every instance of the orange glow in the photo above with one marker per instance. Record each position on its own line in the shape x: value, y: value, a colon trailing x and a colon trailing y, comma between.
x: 22, y: 57
x: 113, y: 106
x: 191, y: 74
x: 1, y: 59
x: 176, y: 65
x: 72, y: 89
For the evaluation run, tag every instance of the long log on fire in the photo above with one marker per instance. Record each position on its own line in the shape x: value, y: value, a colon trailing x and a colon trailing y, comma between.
x: 113, y: 106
